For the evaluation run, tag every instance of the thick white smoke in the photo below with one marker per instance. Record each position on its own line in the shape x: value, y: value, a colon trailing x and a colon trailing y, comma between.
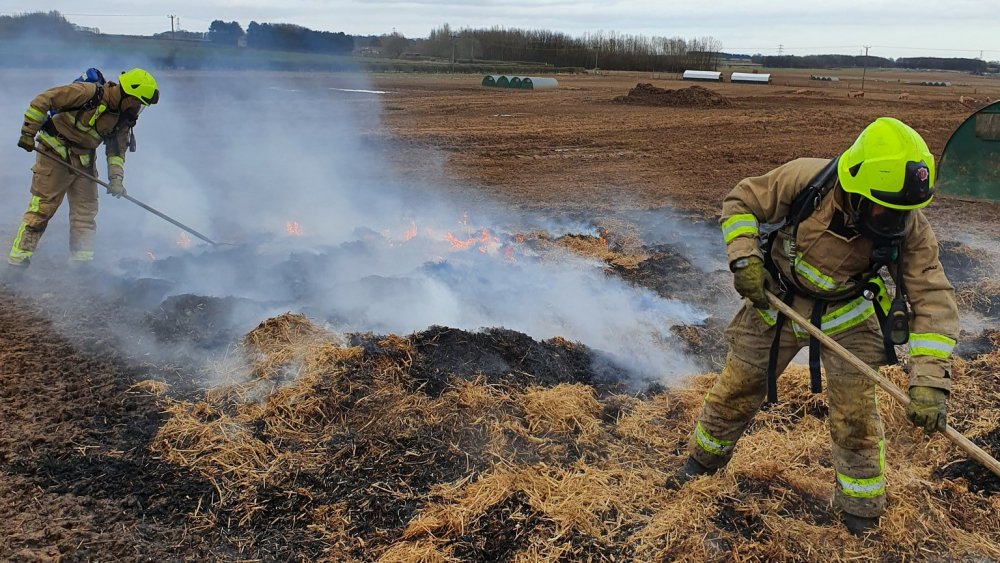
x: 256, y: 158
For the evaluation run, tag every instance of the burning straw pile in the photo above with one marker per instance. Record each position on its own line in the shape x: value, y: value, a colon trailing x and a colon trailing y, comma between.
x: 442, y: 446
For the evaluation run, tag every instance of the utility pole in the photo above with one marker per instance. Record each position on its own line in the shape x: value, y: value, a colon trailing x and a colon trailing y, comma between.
x: 171, y: 25
x: 781, y: 49
x: 864, y: 68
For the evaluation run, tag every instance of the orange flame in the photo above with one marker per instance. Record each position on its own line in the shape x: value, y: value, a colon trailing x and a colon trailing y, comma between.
x: 183, y: 241
x: 485, y: 240
x: 459, y: 244
x: 508, y: 253
x: 603, y: 236
x: 293, y: 228
x: 411, y: 232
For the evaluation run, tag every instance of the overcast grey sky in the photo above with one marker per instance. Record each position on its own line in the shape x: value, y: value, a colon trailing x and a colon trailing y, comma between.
x: 893, y: 28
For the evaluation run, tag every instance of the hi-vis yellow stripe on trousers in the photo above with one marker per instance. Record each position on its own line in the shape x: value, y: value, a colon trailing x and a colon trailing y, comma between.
x: 866, y: 487
x: 711, y: 444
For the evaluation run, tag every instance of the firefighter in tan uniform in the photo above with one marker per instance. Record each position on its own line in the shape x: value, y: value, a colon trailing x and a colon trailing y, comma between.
x: 864, y: 217
x: 86, y: 114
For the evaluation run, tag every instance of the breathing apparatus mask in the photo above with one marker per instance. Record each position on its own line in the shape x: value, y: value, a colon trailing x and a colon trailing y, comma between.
x: 881, y: 225
x: 881, y: 216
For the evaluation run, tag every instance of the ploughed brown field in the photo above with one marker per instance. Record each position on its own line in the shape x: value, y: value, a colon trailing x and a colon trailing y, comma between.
x: 447, y: 445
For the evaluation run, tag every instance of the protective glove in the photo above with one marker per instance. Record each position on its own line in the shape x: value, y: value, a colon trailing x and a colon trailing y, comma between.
x: 749, y: 281
x: 26, y: 142
x: 928, y: 408
x: 115, y: 186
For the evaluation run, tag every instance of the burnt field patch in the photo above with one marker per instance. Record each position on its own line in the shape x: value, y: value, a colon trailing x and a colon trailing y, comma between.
x: 440, y: 445
x: 77, y: 478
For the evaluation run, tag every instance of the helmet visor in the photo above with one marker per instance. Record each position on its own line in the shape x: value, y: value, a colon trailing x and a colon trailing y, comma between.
x: 881, y: 223
x: 149, y: 100
x: 917, y: 188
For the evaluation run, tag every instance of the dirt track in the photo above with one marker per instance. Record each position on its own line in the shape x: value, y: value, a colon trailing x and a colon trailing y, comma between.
x: 77, y: 478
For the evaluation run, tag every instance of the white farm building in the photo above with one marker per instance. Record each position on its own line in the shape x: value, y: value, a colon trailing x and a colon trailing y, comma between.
x: 750, y: 78
x: 705, y: 75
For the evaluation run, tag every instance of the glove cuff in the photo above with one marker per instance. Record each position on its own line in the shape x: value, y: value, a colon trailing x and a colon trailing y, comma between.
x: 930, y: 378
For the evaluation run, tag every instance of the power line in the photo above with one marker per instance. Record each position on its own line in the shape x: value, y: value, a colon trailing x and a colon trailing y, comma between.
x: 936, y: 49
x: 783, y: 48
x: 786, y: 47
x: 91, y: 15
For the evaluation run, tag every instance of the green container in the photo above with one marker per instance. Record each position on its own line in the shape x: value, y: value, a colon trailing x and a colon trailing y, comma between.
x: 503, y: 82
x: 970, y: 165
x: 490, y: 81
x: 515, y: 82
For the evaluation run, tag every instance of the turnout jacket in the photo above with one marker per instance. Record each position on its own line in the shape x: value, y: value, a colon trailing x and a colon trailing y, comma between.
x: 830, y: 253
x: 81, y: 131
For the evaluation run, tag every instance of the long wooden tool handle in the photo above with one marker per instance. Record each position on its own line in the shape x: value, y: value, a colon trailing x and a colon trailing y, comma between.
x: 889, y: 387
x: 72, y: 168
x: 93, y: 178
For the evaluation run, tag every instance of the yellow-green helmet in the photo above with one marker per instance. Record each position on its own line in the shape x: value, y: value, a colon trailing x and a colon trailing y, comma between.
x: 890, y: 165
x: 140, y: 84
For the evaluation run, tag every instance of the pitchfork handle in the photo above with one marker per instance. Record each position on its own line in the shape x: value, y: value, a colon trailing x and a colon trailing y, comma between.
x: 75, y: 170
x: 889, y: 387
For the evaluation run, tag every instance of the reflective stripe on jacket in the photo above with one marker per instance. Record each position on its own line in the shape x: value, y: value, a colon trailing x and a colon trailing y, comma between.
x: 82, y: 130
x: 829, y: 254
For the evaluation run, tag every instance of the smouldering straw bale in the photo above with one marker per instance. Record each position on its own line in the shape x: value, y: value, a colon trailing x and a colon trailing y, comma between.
x: 215, y: 444
x: 356, y: 459
x: 281, y: 331
x: 276, y: 342
x: 563, y: 409
x: 418, y: 552
x: 150, y: 386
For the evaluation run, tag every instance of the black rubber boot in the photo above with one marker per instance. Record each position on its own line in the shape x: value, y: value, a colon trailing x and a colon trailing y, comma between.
x: 690, y: 470
x: 858, y: 525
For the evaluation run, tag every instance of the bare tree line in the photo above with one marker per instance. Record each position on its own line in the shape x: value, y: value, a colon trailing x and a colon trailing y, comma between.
x: 605, y: 50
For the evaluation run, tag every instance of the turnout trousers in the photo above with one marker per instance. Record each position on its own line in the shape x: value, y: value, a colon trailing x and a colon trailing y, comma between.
x: 855, y: 427
x: 50, y: 183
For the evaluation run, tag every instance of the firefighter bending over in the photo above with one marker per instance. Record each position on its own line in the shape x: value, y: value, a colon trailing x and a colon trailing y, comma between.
x: 842, y: 223
x: 71, y: 122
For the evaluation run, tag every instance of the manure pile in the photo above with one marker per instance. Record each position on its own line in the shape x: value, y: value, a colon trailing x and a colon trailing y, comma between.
x: 693, y: 96
x: 453, y: 446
